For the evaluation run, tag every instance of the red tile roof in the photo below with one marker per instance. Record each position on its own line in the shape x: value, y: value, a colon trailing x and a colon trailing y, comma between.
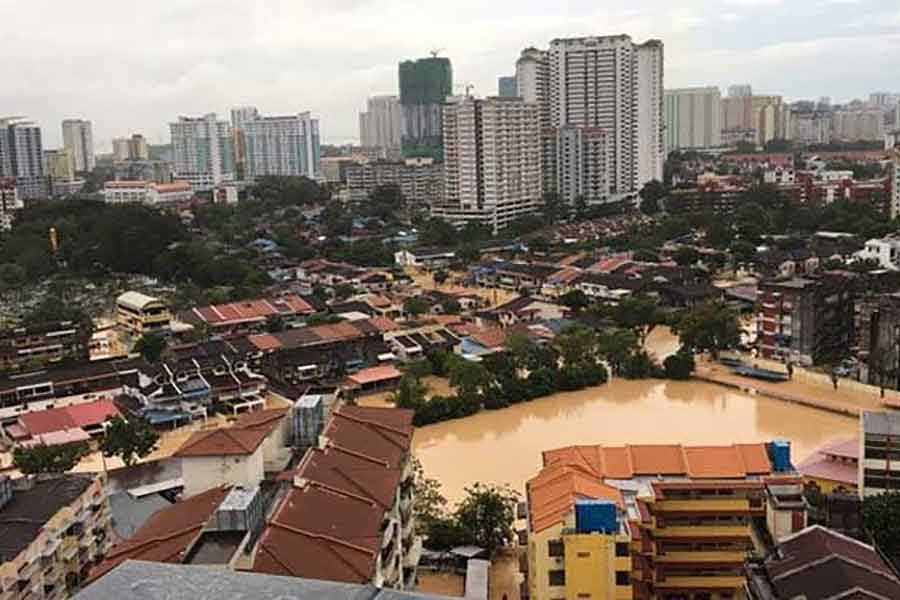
x: 380, y: 433
x: 264, y: 420
x: 552, y: 494
x: 699, y: 462
x: 229, y: 441
x: 167, y: 534
x: 68, y: 417
x: 375, y: 374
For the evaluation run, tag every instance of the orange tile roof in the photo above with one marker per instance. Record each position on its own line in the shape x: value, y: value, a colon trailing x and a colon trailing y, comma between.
x: 266, y: 419
x: 552, y: 494
x: 264, y: 341
x: 223, y: 442
x: 373, y: 374
x: 489, y: 338
x: 700, y: 462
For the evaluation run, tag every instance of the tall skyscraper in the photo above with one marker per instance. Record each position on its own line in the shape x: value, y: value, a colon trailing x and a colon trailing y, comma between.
x: 282, y: 145
x: 533, y: 80
x: 239, y: 116
x: 492, y: 161
x: 78, y: 139
x: 381, y: 125
x: 741, y: 90
x: 615, y: 85
x: 22, y: 157
x: 133, y: 148
x: 693, y: 118
x: 59, y: 165
x: 425, y: 85
x: 757, y: 118
x: 577, y: 162
x: 203, y: 151
x: 507, y: 87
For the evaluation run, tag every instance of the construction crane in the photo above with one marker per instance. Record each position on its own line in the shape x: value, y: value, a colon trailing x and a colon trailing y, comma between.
x: 436, y: 51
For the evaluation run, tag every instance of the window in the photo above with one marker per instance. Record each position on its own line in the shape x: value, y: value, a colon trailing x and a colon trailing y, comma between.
x: 621, y: 549
x: 557, y: 577
x: 623, y: 578
x: 556, y: 548
x: 584, y: 555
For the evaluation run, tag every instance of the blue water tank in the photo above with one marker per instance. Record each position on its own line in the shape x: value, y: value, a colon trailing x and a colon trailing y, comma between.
x: 596, y: 516
x: 780, y: 451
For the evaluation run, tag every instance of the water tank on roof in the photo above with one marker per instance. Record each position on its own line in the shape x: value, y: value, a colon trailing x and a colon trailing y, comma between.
x: 596, y: 516
x: 780, y: 452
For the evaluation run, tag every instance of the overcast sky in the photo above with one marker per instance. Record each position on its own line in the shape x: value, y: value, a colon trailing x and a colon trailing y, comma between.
x: 135, y: 66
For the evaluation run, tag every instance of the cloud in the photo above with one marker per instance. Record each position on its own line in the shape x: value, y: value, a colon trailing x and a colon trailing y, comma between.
x: 134, y: 68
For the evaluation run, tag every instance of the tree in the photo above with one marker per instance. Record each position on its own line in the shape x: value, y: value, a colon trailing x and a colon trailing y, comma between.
x: 487, y: 514
x: 881, y: 516
x: 451, y: 306
x: 652, y: 192
x: 640, y: 314
x: 615, y: 346
x: 440, y: 277
x: 151, y: 346
x: 410, y: 393
x: 679, y: 365
x: 710, y: 327
x: 342, y: 291
x: 129, y: 439
x: 686, y: 256
x: 468, y: 378
x: 43, y: 459
x: 576, y: 300
x: 555, y: 210
x: 645, y: 255
x: 742, y: 251
x: 415, y: 306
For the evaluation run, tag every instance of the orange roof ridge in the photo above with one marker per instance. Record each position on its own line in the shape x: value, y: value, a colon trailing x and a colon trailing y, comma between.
x: 340, y: 492
x: 126, y: 547
x: 326, y: 538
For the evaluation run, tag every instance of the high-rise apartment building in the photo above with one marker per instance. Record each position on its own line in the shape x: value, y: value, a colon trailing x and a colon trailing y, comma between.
x: 492, y: 161
x: 59, y: 164
x: 10, y: 203
x: 895, y: 183
x: 616, y: 85
x: 576, y: 160
x: 78, y: 138
x: 762, y: 118
x: 507, y: 87
x: 693, y: 118
x: 533, y: 80
x: 203, y: 151
x: 281, y: 145
x: 741, y: 90
x: 380, y: 126
x: 239, y: 116
x: 22, y: 157
x: 879, y: 453
x: 858, y: 125
x: 133, y: 148
x: 425, y: 85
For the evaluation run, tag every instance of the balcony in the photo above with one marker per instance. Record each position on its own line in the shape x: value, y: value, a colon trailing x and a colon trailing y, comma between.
x: 717, y: 582
x: 703, y: 531
x: 702, y: 505
x: 29, y: 569
x: 704, y: 556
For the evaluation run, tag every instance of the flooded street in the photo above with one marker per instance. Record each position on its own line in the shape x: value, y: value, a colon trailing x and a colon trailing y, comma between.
x: 505, y: 446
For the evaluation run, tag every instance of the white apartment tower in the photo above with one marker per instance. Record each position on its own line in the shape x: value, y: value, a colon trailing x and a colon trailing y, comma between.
x: 78, y: 139
x: 533, y: 80
x: 203, y: 151
x: 615, y: 85
x: 693, y: 118
x: 281, y: 145
x: 22, y: 157
x: 579, y: 158
x: 380, y: 126
x: 492, y: 161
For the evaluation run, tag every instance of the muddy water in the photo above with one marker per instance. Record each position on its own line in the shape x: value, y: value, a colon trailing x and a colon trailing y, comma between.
x: 505, y: 446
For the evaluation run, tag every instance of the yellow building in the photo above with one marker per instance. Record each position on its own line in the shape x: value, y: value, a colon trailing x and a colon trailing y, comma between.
x: 142, y: 314
x: 684, y: 519
x: 568, y: 559
x: 833, y: 467
x: 60, y: 165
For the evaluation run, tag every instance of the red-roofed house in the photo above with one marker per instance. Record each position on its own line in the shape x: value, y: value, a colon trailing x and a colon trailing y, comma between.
x: 64, y: 424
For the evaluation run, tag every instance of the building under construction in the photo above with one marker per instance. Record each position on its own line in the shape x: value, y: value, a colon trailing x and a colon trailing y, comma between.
x: 424, y: 86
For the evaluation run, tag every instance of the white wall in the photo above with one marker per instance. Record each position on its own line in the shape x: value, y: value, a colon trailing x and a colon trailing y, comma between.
x: 206, y: 472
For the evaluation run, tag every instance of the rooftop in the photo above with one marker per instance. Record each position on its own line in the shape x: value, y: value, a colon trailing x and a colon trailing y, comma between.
x: 881, y: 423
x: 23, y: 517
x: 77, y: 416
x: 156, y: 581
x: 228, y: 441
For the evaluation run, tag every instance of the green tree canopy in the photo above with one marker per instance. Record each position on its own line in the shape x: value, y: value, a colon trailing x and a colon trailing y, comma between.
x: 42, y: 459
x: 881, y: 515
x: 129, y: 439
x: 710, y: 327
x: 151, y: 346
x: 415, y: 306
x: 487, y: 514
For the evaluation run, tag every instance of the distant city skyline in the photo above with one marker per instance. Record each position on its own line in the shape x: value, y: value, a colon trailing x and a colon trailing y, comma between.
x: 217, y: 54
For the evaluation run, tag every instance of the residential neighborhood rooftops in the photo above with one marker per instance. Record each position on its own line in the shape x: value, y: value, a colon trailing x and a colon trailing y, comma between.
x: 77, y: 416
x: 229, y: 441
x: 136, y: 300
x: 552, y: 494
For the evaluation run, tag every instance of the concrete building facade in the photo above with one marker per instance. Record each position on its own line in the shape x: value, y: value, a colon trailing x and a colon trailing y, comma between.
x: 22, y: 157
x: 78, y: 138
x: 879, y: 453
x: 420, y: 181
x: 425, y: 84
x: 282, y: 145
x: 380, y: 126
x: 10, y: 203
x: 693, y: 118
x: 533, y: 80
x: 203, y: 151
x: 492, y: 161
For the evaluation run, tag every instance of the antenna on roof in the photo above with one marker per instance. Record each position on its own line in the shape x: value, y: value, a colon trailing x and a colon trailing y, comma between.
x: 436, y: 51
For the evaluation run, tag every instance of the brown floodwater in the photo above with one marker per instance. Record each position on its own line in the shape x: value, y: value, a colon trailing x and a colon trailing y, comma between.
x: 504, y: 447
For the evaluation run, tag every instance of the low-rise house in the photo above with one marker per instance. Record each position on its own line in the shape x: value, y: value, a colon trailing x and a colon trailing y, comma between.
x: 140, y: 314
x: 241, y: 455
x: 51, y: 532
x: 248, y: 315
x: 147, y: 192
x: 424, y: 258
x: 23, y: 348
x: 66, y: 424
x: 885, y: 252
x: 514, y: 275
x: 833, y: 468
x: 820, y: 564
x: 524, y: 309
